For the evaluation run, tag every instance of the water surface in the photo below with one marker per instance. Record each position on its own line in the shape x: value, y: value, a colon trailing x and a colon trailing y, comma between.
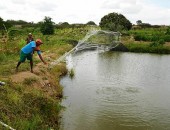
x: 117, y: 91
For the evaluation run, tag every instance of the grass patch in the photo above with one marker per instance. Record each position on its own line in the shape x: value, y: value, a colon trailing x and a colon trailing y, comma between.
x: 27, y: 109
x: 146, y: 48
x: 71, y: 73
x: 30, y: 81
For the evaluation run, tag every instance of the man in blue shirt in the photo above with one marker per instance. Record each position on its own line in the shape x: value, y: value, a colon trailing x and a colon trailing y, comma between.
x: 27, y: 53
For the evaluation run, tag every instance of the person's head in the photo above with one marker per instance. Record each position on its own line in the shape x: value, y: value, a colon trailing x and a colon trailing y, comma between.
x: 38, y: 43
x: 29, y: 35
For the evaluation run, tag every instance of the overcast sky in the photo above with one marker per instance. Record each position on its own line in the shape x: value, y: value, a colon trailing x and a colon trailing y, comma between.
x: 82, y: 11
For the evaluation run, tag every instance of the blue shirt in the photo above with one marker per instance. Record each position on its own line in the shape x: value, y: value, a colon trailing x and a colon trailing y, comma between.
x: 29, y: 47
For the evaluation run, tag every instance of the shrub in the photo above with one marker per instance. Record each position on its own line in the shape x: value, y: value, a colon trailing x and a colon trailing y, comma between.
x: 161, y: 41
x: 166, y: 38
x: 47, y: 26
x: 154, y: 44
x: 168, y: 31
x: 115, y: 22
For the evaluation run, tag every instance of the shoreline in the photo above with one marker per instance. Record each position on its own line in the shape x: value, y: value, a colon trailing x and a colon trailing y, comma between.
x: 32, y: 100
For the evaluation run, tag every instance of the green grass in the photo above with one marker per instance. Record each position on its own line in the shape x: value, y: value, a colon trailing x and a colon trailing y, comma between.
x: 147, y: 40
x: 150, y: 34
x: 146, y: 48
x: 27, y: 110
x: 30, y: 81
x: 23, y: 106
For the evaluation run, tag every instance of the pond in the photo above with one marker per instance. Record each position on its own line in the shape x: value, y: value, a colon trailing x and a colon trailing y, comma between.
x: 117, y: 91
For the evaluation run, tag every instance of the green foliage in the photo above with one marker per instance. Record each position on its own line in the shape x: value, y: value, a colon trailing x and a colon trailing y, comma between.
x: 2, y: 57
x: 47, y: 26
x: 168, y: 31
x: 71, y: 73
x: 17, y: 22
x: 139, y: 22
x: 28, y: 109
x: 152, y: 38
x: 1, y: 24
x: 147, y: 48
x: 21, y: 44
x: 30, y: 81
x: 7, y: 25
x: 115, y: 22
x: 151, y: 34
x: 64, y: 25
x: 157, y: 43
x: 154, y: 44
x: 145, y: 25
x: 90, y: 23
x: 161, y: 41
x: 13, y: 32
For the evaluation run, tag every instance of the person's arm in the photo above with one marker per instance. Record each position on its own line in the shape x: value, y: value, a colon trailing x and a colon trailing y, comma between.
x: 39, y: 54
x: 42, y: 59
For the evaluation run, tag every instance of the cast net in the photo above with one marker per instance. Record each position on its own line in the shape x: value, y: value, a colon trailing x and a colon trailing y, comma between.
x: 96, y: 39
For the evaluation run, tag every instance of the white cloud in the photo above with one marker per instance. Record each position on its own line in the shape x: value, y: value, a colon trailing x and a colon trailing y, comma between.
x: 131, y: 8
x: 46, y: 7
x: 151, y: 14
x: 82, y: 11
x: 110, y: 5
x: 21, y: 2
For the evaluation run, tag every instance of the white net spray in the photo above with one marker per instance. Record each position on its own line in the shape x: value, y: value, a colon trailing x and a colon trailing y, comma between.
x: 93, y: 40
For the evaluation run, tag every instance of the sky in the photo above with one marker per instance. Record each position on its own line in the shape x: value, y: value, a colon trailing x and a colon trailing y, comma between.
x: 155, y: 12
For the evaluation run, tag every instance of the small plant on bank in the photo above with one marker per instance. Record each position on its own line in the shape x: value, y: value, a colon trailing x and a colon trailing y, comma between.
x: 71, y: 73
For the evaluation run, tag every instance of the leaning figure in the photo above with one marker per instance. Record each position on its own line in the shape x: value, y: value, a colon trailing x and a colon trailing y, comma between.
x: 27, y: 53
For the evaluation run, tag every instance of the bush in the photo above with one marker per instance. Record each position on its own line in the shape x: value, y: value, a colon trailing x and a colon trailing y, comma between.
x: 115, y: 22
x: 168, y: 31
x: 161, y: 41
x: 166, y: 38
x: 47, y: 26
x: 154, y: 44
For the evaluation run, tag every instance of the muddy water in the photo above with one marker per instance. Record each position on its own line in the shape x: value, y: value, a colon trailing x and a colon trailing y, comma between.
x: 117, y: 91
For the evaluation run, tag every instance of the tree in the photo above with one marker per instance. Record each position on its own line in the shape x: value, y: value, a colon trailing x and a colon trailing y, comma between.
x: 4, y: 24
x: 139, y: 22
x: 47, y: 26
x: 168, y: 31
x: 7, y: 24
x: 1, y: 24
x: 90, y: 23
x: 115, y: 22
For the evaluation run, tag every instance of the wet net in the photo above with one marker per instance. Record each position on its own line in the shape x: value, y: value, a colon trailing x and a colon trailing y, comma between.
x: 96, y: 39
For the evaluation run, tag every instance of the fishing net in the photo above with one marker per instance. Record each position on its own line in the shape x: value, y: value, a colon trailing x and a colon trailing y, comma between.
x: 99, y: 39
x: 96, y: 39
